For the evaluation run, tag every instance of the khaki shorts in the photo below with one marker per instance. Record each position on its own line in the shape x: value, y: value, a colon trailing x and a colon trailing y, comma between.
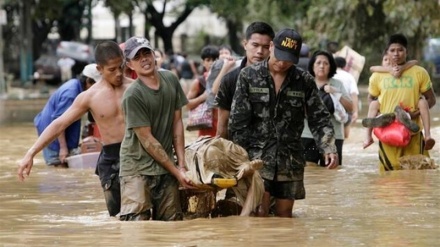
x: 143, y: 196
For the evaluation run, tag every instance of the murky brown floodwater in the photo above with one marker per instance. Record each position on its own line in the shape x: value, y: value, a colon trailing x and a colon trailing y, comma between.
x: 352, y: 206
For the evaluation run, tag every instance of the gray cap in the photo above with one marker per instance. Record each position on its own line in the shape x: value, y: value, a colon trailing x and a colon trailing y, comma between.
x: 134, y: 44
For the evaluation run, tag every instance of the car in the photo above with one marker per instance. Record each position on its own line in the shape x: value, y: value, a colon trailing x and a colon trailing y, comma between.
x: 79, y: 51
x: 46, y: 69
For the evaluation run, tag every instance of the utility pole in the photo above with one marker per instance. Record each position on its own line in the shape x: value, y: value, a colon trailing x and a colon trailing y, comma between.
x: 26, y: 60
x: 2, y: 69
x: 89, y: 23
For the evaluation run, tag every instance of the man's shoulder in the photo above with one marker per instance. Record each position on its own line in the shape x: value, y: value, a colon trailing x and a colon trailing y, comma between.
x: 259, y: 69
x: 418, y: 68
x: 302, y: 75
x: 168, y: 75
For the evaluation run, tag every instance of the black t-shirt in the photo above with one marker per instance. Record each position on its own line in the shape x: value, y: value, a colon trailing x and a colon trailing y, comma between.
x: 227, y: 87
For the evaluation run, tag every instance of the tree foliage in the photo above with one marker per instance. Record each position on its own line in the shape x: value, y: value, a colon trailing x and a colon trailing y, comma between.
x: 365, y: 25
x: 232, y: 14
x: 362, y: 24
x: 180, y: 10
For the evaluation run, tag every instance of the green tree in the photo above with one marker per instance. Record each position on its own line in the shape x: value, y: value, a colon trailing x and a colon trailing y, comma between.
x: 233, y: 15
x: 118, y: 7
x: 237, y: 14
x: 180, y: 10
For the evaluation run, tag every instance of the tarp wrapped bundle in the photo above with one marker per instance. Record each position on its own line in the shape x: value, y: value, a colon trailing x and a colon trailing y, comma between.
x: 210, y: 158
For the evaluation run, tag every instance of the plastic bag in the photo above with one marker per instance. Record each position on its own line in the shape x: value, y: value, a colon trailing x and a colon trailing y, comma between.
x: 340, y: 113
x: 395, y: 134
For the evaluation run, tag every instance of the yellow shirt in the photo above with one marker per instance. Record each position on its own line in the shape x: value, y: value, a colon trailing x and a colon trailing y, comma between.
x: 404, y: 91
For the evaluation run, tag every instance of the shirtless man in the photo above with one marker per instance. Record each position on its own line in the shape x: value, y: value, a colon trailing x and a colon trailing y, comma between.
x: 103, y: 100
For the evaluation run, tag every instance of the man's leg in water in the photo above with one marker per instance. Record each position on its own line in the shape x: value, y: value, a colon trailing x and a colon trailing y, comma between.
x: 108, y: 171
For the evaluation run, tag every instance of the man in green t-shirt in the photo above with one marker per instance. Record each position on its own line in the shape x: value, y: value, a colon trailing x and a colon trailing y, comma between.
x: 152, y: 108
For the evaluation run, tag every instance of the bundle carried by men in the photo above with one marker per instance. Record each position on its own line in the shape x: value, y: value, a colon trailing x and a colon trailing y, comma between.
x: 214, y: 163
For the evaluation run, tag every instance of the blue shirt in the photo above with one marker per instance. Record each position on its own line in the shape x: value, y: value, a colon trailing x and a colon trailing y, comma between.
x: 57, y: 104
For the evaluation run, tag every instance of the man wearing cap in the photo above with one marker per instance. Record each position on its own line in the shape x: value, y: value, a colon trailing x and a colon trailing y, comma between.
x: 404, y: 91
x: 103, y: 100
x: 267, y: 118
x: 67, y: 142
x: 152, y: 107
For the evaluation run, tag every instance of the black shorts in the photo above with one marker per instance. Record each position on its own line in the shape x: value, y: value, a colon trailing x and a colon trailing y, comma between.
x: 108, y: 171
x: 292, y: 190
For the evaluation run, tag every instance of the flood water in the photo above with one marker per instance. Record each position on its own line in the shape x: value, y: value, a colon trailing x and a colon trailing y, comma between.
x: 351, y: 206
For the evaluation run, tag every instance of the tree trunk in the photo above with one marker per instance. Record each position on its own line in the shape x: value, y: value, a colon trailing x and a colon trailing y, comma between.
x: 234, y: 28
x: 70, y: 20
x: 89, y: 22
x: 167, y: 38
x: 147, y: 27
x: 130, y: 24
x: 40, y: 31
x: 117, y: 28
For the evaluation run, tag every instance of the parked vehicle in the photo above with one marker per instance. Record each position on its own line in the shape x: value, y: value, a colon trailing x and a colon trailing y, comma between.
x: 79, y: 51
x: 46, y: 69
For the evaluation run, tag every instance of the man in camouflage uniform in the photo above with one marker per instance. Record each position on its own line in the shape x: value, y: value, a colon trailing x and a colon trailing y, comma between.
x: 267, y: 118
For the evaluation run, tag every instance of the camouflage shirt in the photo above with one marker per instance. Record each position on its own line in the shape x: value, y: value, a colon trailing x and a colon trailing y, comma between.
x: 269, y: 125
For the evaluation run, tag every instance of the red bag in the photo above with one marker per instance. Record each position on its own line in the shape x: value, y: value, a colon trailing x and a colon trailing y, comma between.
x: 395, y: 134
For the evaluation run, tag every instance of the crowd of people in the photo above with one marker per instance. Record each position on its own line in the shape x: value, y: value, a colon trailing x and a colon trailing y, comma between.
x: 286, y: 115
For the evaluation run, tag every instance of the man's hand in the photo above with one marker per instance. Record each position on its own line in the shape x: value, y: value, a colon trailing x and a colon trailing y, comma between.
x: 331, y: 160
x: 330, y: 89
x: 354, y: 117
x: 228, y: 63
x: 414, y: 114
x: 396, y: 71
x: 24, y: 167
x: 184, y: 181
x: 62, y: 155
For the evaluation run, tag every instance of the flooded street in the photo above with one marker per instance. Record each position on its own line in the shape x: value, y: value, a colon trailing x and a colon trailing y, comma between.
x: 351, y: 206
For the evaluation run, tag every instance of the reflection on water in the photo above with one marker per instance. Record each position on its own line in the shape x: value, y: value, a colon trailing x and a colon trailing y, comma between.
x: 351, y: 206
